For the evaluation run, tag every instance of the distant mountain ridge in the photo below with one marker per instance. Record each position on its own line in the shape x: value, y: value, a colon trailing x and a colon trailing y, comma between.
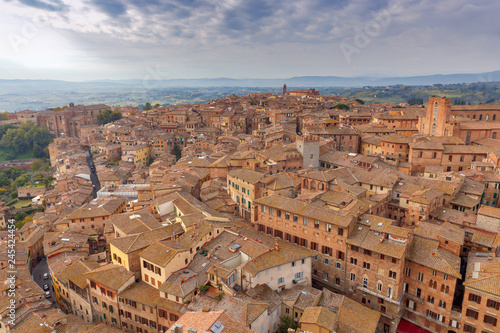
x: 40, y: 86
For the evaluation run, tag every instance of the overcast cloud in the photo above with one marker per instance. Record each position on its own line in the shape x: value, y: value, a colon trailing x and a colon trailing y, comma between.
x: 118, y: 39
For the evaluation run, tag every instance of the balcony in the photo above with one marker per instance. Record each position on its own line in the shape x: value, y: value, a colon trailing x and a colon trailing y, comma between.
x: 456, y: 312
x: 415, y: 298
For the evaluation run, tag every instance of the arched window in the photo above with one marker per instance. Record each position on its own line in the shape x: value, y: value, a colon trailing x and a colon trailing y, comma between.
x: 433, y: 129
x: 435, y: 113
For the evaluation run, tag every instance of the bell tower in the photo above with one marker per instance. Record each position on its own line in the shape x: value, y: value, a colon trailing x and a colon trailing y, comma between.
x: 284, y: 89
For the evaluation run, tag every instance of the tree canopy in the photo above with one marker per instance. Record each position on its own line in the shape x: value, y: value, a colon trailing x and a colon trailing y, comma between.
x: 26, y: 137
x: 341, y: 106
x: 108, y: 116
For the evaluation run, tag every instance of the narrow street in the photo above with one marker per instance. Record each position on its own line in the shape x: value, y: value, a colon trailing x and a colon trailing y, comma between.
x: 38, y: 271
x: 93, y: 174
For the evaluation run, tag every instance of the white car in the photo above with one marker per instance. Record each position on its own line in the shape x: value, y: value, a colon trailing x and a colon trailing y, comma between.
x: 47, y: 294
x: 45, y: 276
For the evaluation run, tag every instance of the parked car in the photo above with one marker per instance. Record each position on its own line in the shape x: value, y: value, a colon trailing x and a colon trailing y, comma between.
x: 47, y: 294
x: 45, y: 276
x: 46, y: 287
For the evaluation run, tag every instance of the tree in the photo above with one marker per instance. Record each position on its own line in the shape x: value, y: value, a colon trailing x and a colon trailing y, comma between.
x: 115, y: 115
x: 415, y: 101
x: 147, y: 106
x: 177, y: 151
x: 37, y: 164
x: 157, y: 105
x: 4, y: 116
x: 286, y: 323
x: 342, y: 106
x: 360, y: 101
x: 107, y: 116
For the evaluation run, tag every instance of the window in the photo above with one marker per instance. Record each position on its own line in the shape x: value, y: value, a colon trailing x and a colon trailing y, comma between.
x: 420, y: 277
x: 263, y: 209
x: 469, y: 329
x: 354, y: 248
x: 354, y: 261
x: 353, y: 277
x: 326, y: 261
x: 281, y: 280
x: 420, y: 154
x: 475, y: 298
x: 316, y: 224
x: 306, y: 220
x: 299, y: 276
x: 472, y: 313
x: 366, y: 265
x: 325, y: 276
x: 367, y: 252
x: 338, y: 265
x: 389, y: 292
x: 407, y: 271
x: 328, y: 227
x: 365, y: 283
x: 379, y: 286
x: 490, y: 320
x: 493, y: 304
x: 392, y: 274
x: 295, y: 218
x: 434, y: 155
x: 341, y: 232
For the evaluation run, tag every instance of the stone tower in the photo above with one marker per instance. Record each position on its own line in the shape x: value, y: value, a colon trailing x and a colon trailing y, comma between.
x: 436, y: 116
x: 308, y: 146
x: 284, y: 89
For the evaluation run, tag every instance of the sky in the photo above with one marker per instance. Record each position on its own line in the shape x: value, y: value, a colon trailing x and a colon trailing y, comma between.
x: 79, y: 40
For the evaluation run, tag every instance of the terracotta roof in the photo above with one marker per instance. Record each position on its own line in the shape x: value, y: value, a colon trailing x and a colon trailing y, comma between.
x: 489, y: 211
x: 141, y: 293
x: 204, y: 321
x: 111, y: 276
x: 427, y: 253
x: 303, y: 209
x: 247, y: 175
x: 319, y: 316
x: 94, y: 209
x: 356, y: 318
x: 446, y: 230
x: 133, y: 243
x: 75, y: 271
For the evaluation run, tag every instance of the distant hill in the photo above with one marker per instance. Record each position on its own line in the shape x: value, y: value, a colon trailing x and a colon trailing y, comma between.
x: 16, y: 86
x: 17, y: 95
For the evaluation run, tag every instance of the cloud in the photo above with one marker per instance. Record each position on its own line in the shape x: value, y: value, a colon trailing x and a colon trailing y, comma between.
x: 223, y: 37
x: 112, y: 8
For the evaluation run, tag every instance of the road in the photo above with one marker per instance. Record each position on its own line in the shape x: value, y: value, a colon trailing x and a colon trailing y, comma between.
x: 37, y: 274
x: 93, y: 174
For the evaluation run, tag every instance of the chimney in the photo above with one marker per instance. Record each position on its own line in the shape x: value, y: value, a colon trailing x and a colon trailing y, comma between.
x: 176, y: 328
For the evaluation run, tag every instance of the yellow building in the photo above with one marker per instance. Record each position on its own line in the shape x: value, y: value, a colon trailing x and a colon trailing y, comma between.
x: 138, y: 154
x: 370, y: 145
